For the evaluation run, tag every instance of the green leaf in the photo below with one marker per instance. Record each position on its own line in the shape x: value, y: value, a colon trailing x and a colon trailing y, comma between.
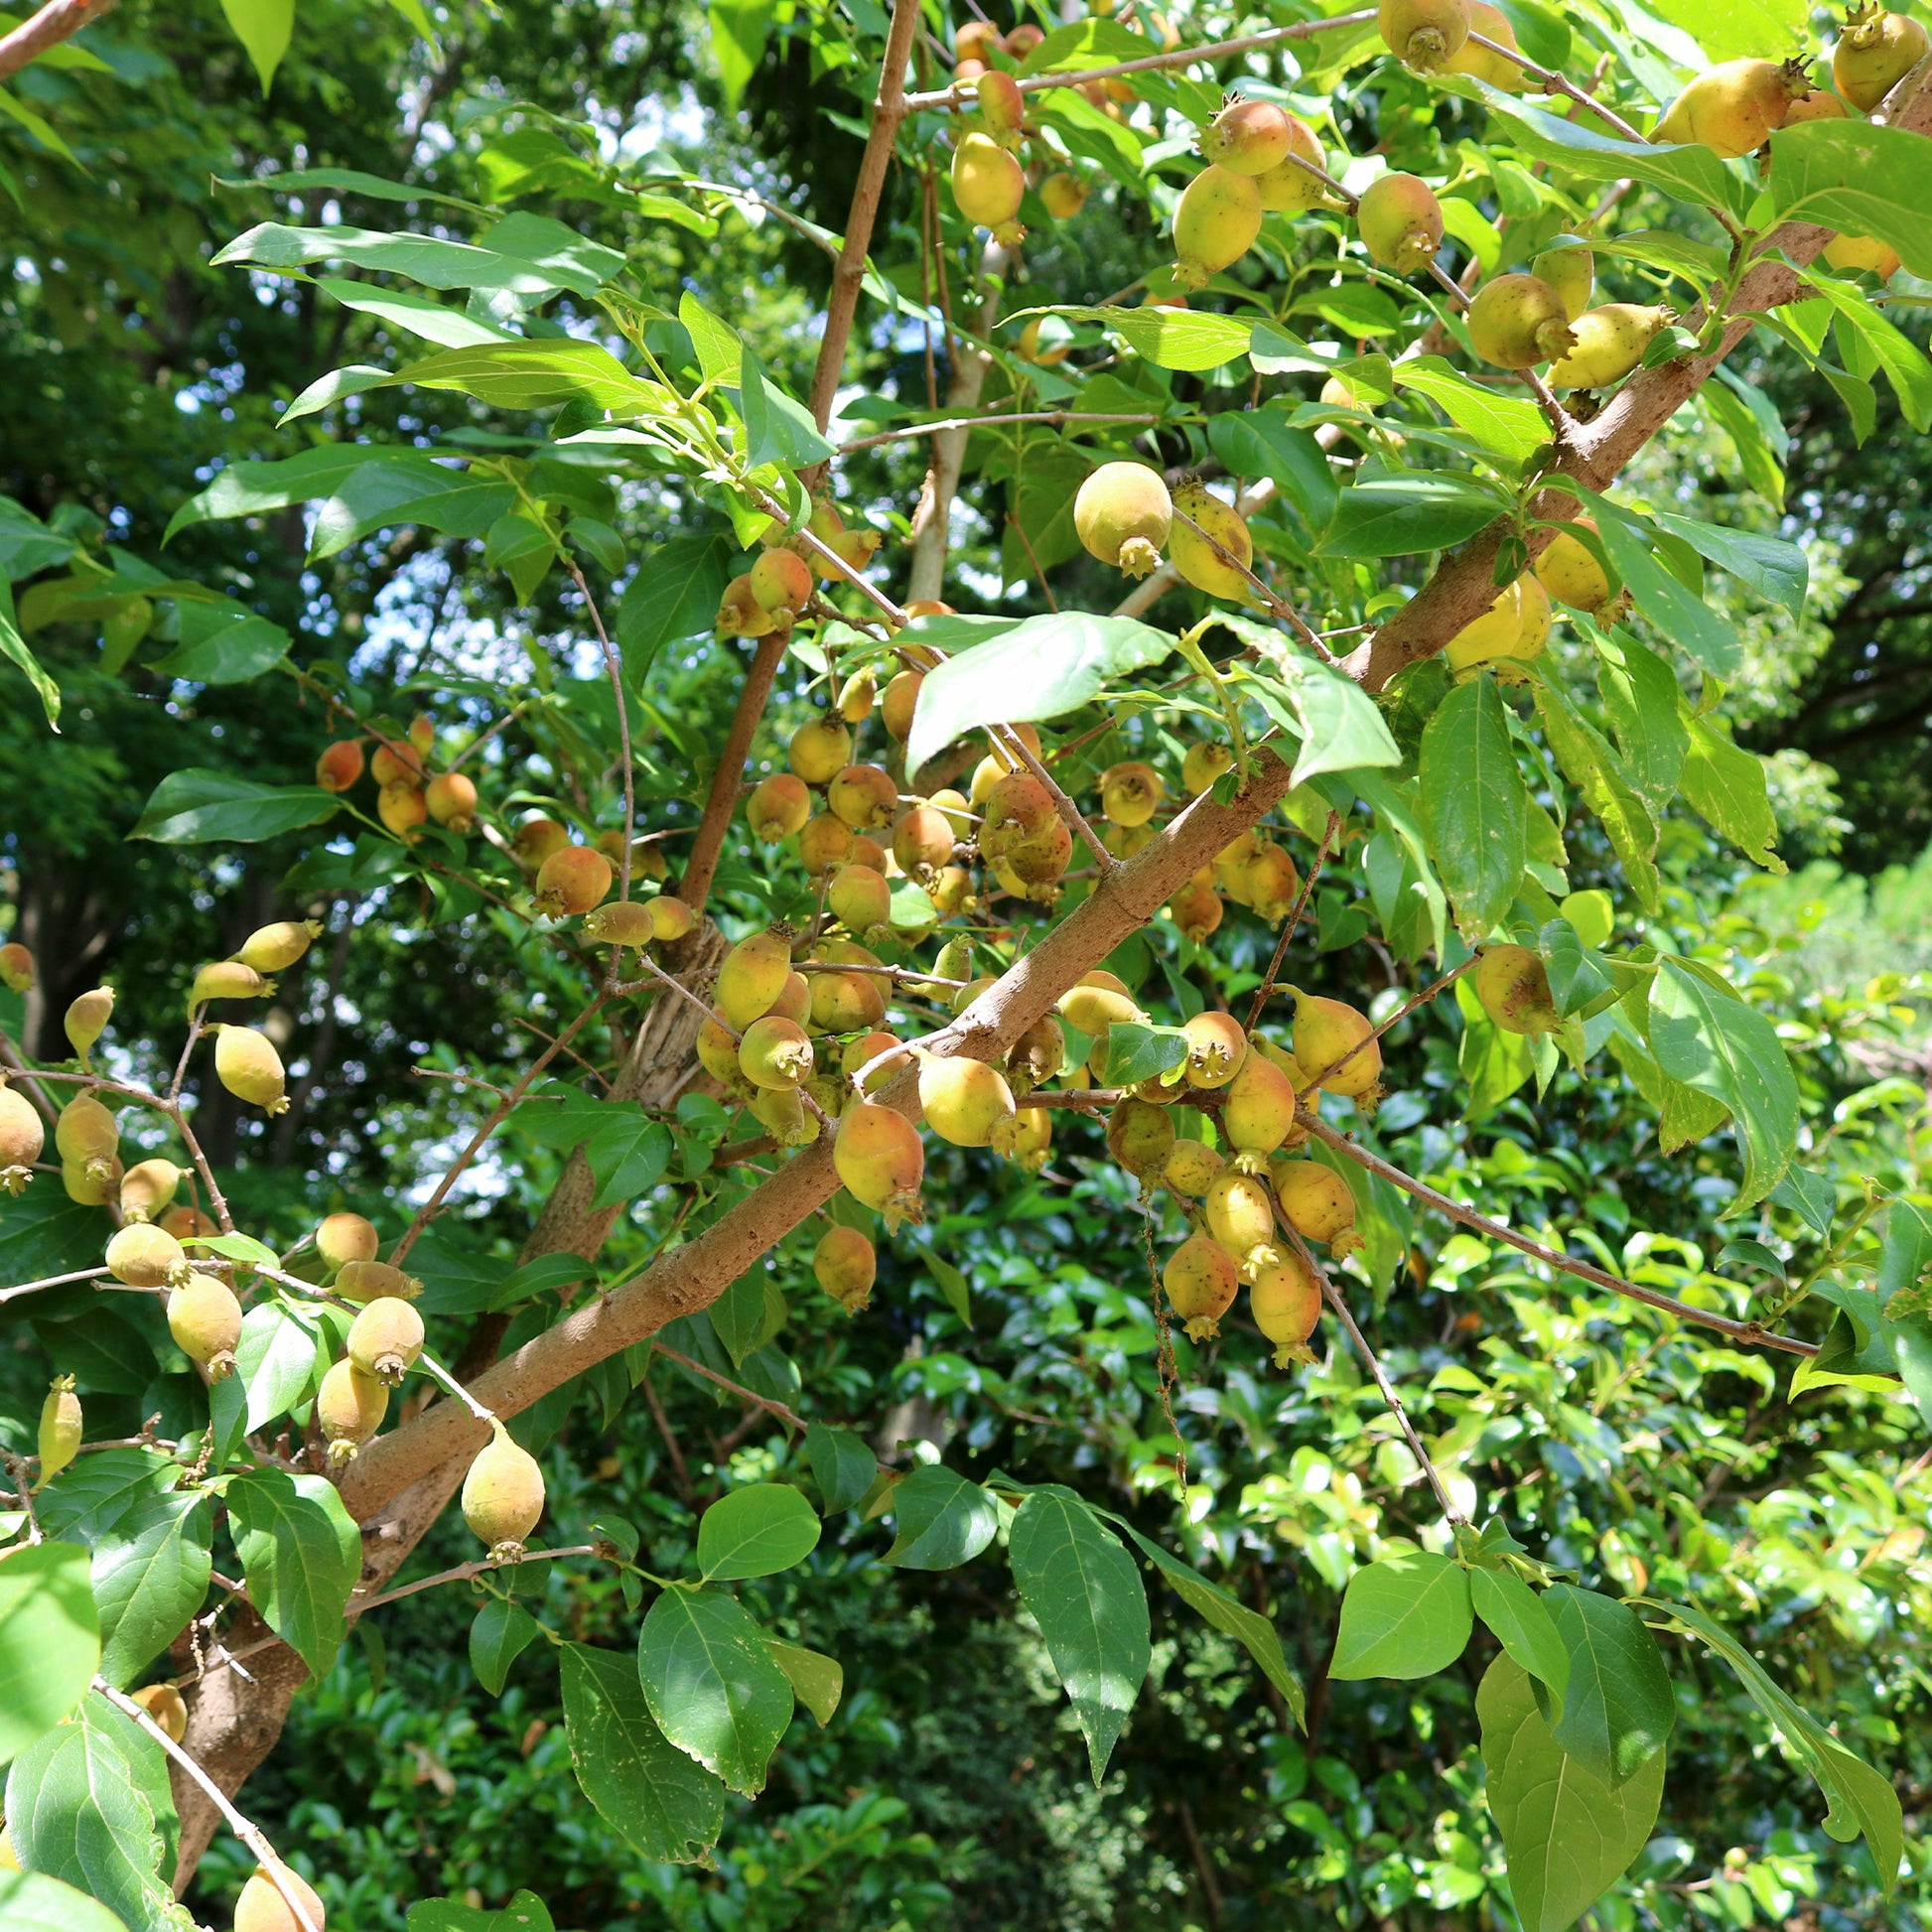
x: 1228, y: 1614
x: 1406, y: 515
x: 1725, y: 787
x: 627, y: 1153
x: 954, y: 1286
x: 644, y: 1788
x: 1340, y: 725
x: 88, y: 1805
x: 1617, y: 1707
x: 1022, y: 672
x: 1730, y: 28
x: 1474, y: 803
x: 222, y: 643
x: 500, y: 1634
x: 1517, y: 1619
x: 514, y: 374
x: 1509, y: 428
x: 778, y: 429
x: 1137, y: 1053
x: 842, y: 1466
x: 102, y: 1353
x: 416, y: 315
x: 757, y: 1531
x: 712, y: 1686
x: 13, y: 646
x: 1597, y: 773
x: 263, y: 27
x: 49, y: 1640
x: 1642, y: 701
x: 1582, y: 147
x: 676, y: 597
x: 197, y: 807
x: 941, y: 1519
x: 95, y: 1493
x: 1860, y: 1800
x: 738, y: 33
x: 524, y: 254
x: 1686, y: 620
x: 149, y: 1582
x: 30, y: 1901
x: 300, y: 1557
x: 254, y: 489
x: 526, y: 1912
x: 1567, y: 1836
x: 1717, y: 1046
x: 275, y: 1361
x: 387, y: 495
x: 1578, y: 973
x: 1773, y: 568
x: 1082, y: 1590
x: 818, y: 1679
x: 1186, y: 340
x: 1860, y: 179
x: 1406, y: 1617
x: 1261, y: 443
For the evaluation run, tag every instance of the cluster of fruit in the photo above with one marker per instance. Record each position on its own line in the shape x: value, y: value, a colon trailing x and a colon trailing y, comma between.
x: 770, y: 596
x: 407, y: 793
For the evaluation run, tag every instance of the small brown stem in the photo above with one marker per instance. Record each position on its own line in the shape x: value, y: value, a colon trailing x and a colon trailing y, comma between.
x: 57, y: 21
x: 1051, y: 417
x: 722, y: 801
x: 1265, y: 990
x: 778, y: 1408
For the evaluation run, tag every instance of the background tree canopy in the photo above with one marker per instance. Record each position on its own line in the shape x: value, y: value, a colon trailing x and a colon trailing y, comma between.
x: 452, y: 368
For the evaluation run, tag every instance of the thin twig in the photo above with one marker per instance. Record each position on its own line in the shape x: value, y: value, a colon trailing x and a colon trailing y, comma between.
x: 1051, y: 417
x: 1553, y: 82
x: 463, y: 1573
x: 1267, y: 987
x: 778, y: 1408
x: 56, y: 22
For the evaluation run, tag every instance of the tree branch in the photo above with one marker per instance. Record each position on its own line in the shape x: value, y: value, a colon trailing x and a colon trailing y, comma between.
x: 57, y: 21
x: 722, y: 801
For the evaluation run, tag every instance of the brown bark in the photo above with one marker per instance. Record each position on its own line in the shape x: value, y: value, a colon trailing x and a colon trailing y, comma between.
x: 56, y: 22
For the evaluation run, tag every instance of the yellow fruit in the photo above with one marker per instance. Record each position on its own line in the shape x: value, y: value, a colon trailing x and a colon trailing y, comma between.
x: 147, y: 1187
x: 1851, y: 252
x: 1140, y: 1136
x: 535, y: 840
x: 1201, y: 1282
x: 1517, y: 321
x: 1260, y: 1112
x: 366, y: 1281
x: 858, y: 898
x: 1821, y: 104
x: 842, y: 1003
x: 396, y: 764
x: 1423, y: 34
x: 1202, y: 769
x: 1399, y: 223
x: 1003, y: 107
x: 780, y: 1111
x: 350, y: 1406
x: 859, y: 1053
x: 1240, y: 1213
x: 340, y: 765
x: 16, y: 967
x: 864, y: 795
x: 963, y: 1099
x: 740, y: 615
x: 1876, y: 50
x: 1608, y: 343
x: 1122, y: 514
x: 167, y: 1707
x: 1062, y: 194
x: 1024, y: 1136
x: 247, y: 1064
x: 1337, y: 1045
x: 879, y: 1157
x: 1287, y: 187
x: 1515, y: 991
x: 385, y: 1338
x: 60, y: 1429
x: 205, y: 1319
x: 896, y: 707
x: 1214, y: 224
x: 775, y: 1053
x: 343, y: 1238
x: 752, y: 976
x: 402, y: 809
x: 844, y: 1266
x: 1733, y: 108
x: 1493, y: 635
x: 572, y: 882
x: 22, y: 1138
x: 922, y: 840
x: 780, y: 582
x: 1478, y: 62
x: 86, y: 1019
x: 1191, y: 1168
x: 452, y: 801
x: 622, y: 922
x: 186, y: 1223
x: 987, y: 182
x: 1572, y: 272
x: 1270, y: 882
x: 262, y: 1908
x: 820, y: 750
x: 1568, y: 573
x: 1196, y: 909
x: 275, y: 948
x: 1246, y: 137
x: 1317, y: 1204
x: 229, y: 979
x: 143, y: 1256
x: 1286, y: 1303
x: 1216, y: 1046
x: 85, y: 1136
x: 670, y: 917
x: 1131, y: 793
x: 1204, y: 527
x: 1091, y: 1009
x: 502, y: 1495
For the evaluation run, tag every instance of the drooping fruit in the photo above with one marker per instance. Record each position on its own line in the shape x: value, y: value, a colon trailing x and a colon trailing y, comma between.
x: 1571, y: 573
x: 247, y: 1064
x: 896, y: 707
x: 859, y: 1053
x: 775, y: 1053
x: 1317, y: 1204
x: 343, y: 1238
x: 963, y: 1099
x: 402, y: 809
x: 1024, y: 1136
x: 167, y: 1707
x: 1197, y: 909
x: 86, y: 1019
x: 85, y: 1136
x: 340, y: 765
x: 622, y: 922
x: 1003, y: 107
x: 1517, y: 321
x: 1483, y: 62
x: 1201, y: 1282
x: 350, y: 1406
x: 275, y: 948
x: 740, y: 615
x: 1851, y: 252
x: 752, y: 977
x: 1399, y: 221
x: 864, y: 795
x: 922, y: 840
x: 1246, y: 137
x: 717, y: 1050
x: 16, y: 967
x: 1122, y: 514
x: 1215, y: 223
x: 781, y: 1112
x: 262, y: 1908
x: 1286, y: 1303
x: 1212, y: 549
x: 88, y: 1190
x: 820, y: 750
x: 842, y: 1003
x: 1062, y: 194
x: 845, y: 1265
x: 571, y: 881
x: 1423, y: 34
x: 780, y: 582
x: 858, y: 898
x: 385, y: 1340
x: 1572, y: 272
x: 60, y: 1429
x: 1515, y: 991
x: 1131, y: 792
x: 1191, y: 1168
x: 366, y: 1281
x: 879, y: 1157
x: 1337, y: 1045
x: 229, y: 979
x: 1733, y: 108
x: 988, y: 182
x: 22, y: 1136
x: 858, y: 697
x: 205, y: 1319
x: 1288, y: 186
x: 147, y: 1187
x: 535, y: 840
x: 1260, y: 1112
x: 1609, y: 342
x: 1270, y: 881
x: 1240, y: 1213
x: 143, y: 1256
x: 452, y: 801
x: 1216, y: 1046
x: 1876, y: 50
x: 1202, y: 769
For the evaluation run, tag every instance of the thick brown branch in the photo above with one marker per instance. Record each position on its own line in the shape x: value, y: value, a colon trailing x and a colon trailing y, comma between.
x: 56, y: 22
x: 721, y: 802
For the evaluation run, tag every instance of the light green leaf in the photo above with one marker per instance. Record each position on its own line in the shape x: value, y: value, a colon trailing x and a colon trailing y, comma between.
x: 1860, y: 179
x: 1408, y: 1616
x: 200, y: 807
x: 1474, y: 803
x: 777, y: 427
x: 1340, y: 727
x: 501, y: 1632
x: 712, y: 1686
x: 512, y: 375
x: 1526, y: 1630
x: 1406, y: 515
x: 30, y: 1901
x: 941, y: 1519
x: 263, y: 27
x: 1685, y: 620
x: 49, y: 1640
x: 1618, y: 1707
x: 643, y: 1787
x: 1725, y: 787
x: 818, y: 1679
x: 1644, y: 703
x: 147, y: 1584
x: 434, y: 322
x: 519, y: 255
x: 1511, y: 429
x: 1728, y: 30
x: 1585, y: 147
x: 756, y: 1531
x: 1186, y: 340
x: 13, y: 646
x: 1597, y: 773
x: 1770, y: 566
x: 677, y: 597
x: 300, y: 1555
x: 842, y: 1466
x: 738, y: 33
x: 1082, y: 1590
x: 222, y: 643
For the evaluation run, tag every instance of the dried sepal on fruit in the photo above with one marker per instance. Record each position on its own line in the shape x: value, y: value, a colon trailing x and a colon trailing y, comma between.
x: 350, y: 1408
x: 23, y: 1135
x: 385, y: 1338
x: 60, y: 1431
x: 1285, y: 1300
x: 502, y: 1495
x: 247, y: 1064
x: 204, y: 1319
x: 147, y: 1187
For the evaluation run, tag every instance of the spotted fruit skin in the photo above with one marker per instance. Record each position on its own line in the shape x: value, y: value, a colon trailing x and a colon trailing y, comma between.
x: 1122, y: 514
x: 1514, y: 989
x: 1423, y: 34
x: 385, y: 1338
x: 1202, y: 769
x: 1572, y: 272
x: 1214, y: 224
x: 571, y: 881
x: 205, y: 1319
x: 1131, y: 792
x: 1399, y: 221
x: 775, y: 1053
x: 1479, y: 62
x: 1337, y: 1045
x: 1286, y: 1303
x: 1878, y: 50
x: 1140, y: 1136
x: 1191, y: 1168
x: 880, y: 1159
x: 1259, y: 1114
x: 1240, y: 1213
x: 1734, y: 108
x: 1518, y: 321
x: 845, y: 1265
x: 622, y: 922
x: 1202, y: 1281
x: 22, y: 1138
x: 1204, y: 526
